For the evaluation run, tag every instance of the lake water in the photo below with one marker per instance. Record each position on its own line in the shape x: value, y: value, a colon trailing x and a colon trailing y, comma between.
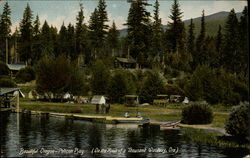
x: 57, y: 137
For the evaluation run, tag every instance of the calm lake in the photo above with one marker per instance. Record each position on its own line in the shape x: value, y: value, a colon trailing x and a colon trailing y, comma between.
x: 57, y: 137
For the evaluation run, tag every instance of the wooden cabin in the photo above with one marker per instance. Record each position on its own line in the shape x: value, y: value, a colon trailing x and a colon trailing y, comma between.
x: 161, y: 99
x: 131, y: 100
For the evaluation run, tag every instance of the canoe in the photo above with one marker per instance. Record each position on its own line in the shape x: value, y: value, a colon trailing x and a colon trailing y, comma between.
x: 171, y: 124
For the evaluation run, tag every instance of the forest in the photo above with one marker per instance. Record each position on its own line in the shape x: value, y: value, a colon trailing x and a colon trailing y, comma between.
x: 168, y: 60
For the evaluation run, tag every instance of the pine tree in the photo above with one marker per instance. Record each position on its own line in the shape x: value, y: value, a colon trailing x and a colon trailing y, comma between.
x: 71, y: 42
x: 5, y: 23
x: 219, y: 40
x: 191, y: 39
x: 93, y: 33
x: 47, y: 41
x: 175, y: 34
x: 62, y: 41
x: 243, y: 42
x: 157, y: 45
x: 36, y: 48
x: 139, y: 31
x: 81, y: 34
x: 201, y: 50
x: 102, y: 19
x: 26, y: 30
x: 230, y: 49
x: 216, y: 60
x: 113, y: 39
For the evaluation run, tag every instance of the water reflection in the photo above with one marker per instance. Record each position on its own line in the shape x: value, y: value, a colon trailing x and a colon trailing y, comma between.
x: 58, y: 134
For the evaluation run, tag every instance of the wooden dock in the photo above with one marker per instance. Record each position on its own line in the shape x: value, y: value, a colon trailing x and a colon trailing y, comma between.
x: 93, y: 118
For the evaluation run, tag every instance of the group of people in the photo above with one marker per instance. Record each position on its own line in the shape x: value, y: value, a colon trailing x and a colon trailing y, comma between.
x: 104, y: 108
x: 138, y: 114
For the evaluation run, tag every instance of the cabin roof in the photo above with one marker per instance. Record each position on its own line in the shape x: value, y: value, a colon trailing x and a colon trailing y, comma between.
x: 16, y: 67
x: 8, y: 90
x: 126, y: 60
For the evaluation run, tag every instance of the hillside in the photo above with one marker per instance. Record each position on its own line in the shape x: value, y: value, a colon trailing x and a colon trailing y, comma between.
x: 212, y: 23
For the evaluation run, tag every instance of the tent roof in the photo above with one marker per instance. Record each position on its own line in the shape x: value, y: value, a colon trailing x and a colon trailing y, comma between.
x: 96, y: 99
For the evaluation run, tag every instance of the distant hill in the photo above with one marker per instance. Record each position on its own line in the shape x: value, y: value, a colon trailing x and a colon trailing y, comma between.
x: 212, y: 23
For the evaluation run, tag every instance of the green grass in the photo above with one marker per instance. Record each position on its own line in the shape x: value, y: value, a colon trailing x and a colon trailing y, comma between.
x: 158, y: 113
x: 219, y: 120
x: 202, y: 136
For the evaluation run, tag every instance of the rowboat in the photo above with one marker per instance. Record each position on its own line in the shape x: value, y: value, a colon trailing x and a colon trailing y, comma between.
x: 170, y: 124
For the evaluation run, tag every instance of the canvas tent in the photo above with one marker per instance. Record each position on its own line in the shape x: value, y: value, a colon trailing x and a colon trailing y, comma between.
x: 98, y: 99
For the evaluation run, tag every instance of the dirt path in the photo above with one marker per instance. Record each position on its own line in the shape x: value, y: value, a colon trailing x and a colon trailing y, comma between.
x: 205, y: 127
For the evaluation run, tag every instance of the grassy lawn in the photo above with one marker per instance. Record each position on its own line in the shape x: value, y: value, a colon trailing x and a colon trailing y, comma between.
x: 157, y: 113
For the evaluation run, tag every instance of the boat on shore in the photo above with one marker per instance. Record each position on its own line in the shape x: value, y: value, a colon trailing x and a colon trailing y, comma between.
x: 170, y: 125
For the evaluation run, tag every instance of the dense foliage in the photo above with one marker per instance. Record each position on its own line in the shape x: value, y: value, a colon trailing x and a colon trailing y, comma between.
x: 238, y: 123
x: 211, y: 68
x: 25, y: 75
x: 4, y: 70
x: 6, y: 81
x: 197, y: 114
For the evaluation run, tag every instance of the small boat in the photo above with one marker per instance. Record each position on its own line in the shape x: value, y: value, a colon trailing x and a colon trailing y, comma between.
x: 170, y: 124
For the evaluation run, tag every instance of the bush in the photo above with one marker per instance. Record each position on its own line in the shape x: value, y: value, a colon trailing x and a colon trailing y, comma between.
x: 197, y: 114
x: 121, y: 83
x: 6, y: 81
x: 4, y: 70
x: 25, y: 75
x: 152, y: 85
x: 53, y: 75
x: 238, y: 123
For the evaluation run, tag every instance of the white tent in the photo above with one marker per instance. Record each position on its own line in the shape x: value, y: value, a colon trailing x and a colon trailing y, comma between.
x: 185, y: 101
x: 98, y: 99
x: 66, y: 96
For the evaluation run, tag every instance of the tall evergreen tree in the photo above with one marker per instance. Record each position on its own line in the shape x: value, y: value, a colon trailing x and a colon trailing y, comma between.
x: 102, y: 19
x: 243, y: 42
x: 71, y: 42
x: 139, y: 31
x: 81, y: 32
x: 219, y: 40
x: 216, y: 60
x: 36, y: 48
x: 231, y: 43
x: 5, y: 23
x: 93, y: 33
x: 175, y: 34
x: 113, y: 39
x: 47, y: 41
x: 26, y: 30
x: 157, y: 45
x: 191, y: 39
x: 201, y: 50
x: 62, y: 41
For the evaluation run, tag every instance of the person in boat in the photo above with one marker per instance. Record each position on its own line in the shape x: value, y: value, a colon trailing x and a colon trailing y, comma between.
x: 126, y: 115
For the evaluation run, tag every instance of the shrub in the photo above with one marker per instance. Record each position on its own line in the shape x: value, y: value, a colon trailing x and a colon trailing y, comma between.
x: 151, y: 87
x: 6, y: 81
x: 4, y: 70
x: 238, y: 123
x: 25, y: 75
x: 197, y: 114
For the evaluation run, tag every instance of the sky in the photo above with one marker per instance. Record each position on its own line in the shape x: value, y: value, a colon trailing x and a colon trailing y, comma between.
x: 55, y: 12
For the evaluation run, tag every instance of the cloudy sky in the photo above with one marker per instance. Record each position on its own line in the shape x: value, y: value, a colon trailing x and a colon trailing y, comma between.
x: 56, y: 12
